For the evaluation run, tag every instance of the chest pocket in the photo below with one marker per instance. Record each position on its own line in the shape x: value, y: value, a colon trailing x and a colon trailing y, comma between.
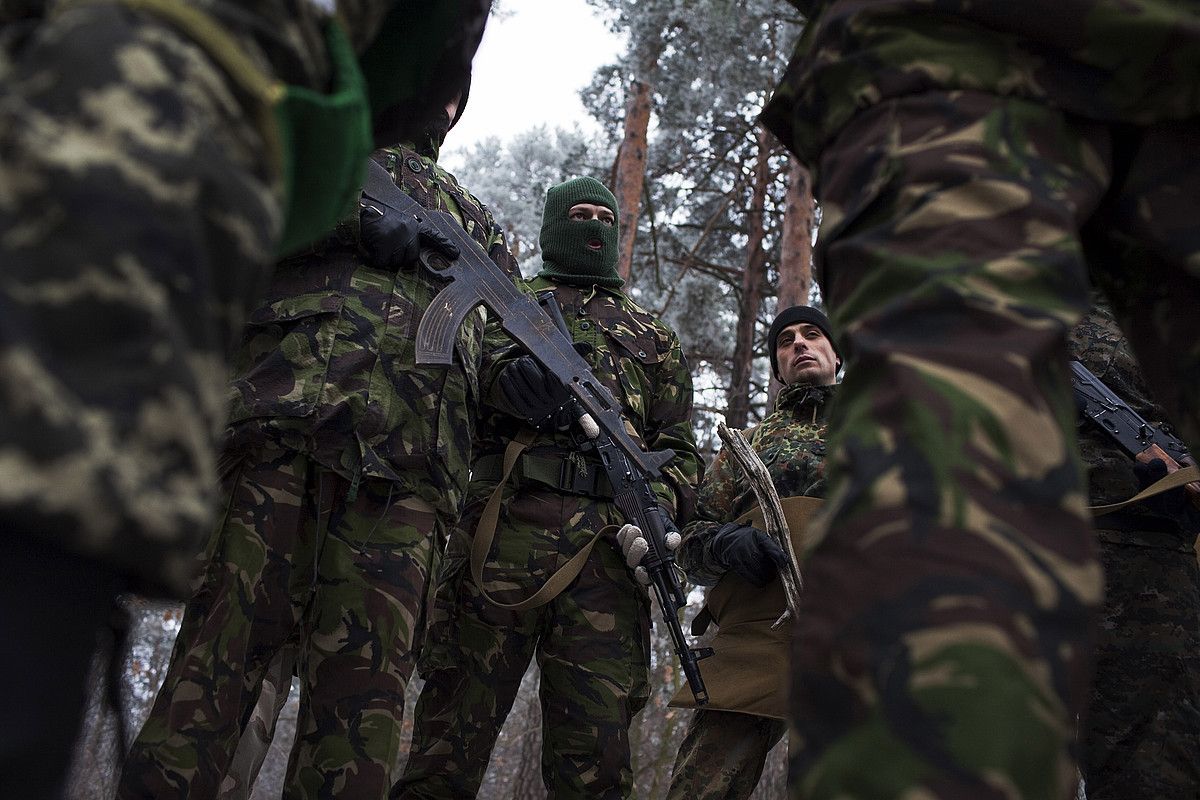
x: 284, y: 358
x: 638, y: 350
x: 288, y: 340
x: 796, y: 467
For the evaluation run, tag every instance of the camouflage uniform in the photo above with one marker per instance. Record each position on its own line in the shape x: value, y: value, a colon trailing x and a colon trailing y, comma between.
x: 1140, y: 734
x: 592, y: 641
x: 139, y: 210
x: 723, y: 753
x: 974, y: 161
x: 347, y: 465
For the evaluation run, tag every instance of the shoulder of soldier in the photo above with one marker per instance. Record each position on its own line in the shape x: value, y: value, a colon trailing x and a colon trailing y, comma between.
x: 447, y: 180
x: 1096, y: 336
x: 418, y: 163
x: 752, y: 432
x: 1098, y: 342
x: 647, y: 317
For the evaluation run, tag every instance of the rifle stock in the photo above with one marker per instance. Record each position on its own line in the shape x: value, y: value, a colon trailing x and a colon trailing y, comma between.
x: 1154, y: 451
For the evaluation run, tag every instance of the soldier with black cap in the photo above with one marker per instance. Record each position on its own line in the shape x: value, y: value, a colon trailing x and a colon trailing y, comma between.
x: 727, y: 742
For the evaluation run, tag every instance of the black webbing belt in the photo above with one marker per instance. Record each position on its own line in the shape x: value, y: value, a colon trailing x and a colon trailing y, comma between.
x: 572, y: 475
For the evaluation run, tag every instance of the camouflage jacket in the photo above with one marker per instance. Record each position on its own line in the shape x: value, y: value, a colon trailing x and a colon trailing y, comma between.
x: 638, y: 358
x: 287, y: 35
x: 284, y: 38
x: 1135, y: 61
x: 1098, y: 343
x: 134, y: 237
x: 327, y: 364
x: 791, y: 442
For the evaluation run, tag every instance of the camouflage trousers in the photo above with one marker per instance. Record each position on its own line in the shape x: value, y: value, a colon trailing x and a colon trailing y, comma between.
x: 952, y: 582
x: 259, y: 730
x: 1140, y: 735
x: 298, y: 553
x: 722, y: 755
x: 591, y: 644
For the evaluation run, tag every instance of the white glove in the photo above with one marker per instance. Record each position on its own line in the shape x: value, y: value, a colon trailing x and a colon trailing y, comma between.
x: 635, y: 547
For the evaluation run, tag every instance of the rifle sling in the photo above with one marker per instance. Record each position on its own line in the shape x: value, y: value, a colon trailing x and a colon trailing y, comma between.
x: 1180, y: 477
x: 485, y: 534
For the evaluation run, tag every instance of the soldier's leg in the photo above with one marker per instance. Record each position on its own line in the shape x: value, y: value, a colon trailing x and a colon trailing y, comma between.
x: 45, y: 594
x: 232, y: 627
x: 474, y: 658
x: 952, y: 583
x: 255, y: 742
x: 360, y: 629
x: 722, y: 755
x: 595, y: 661
x: 1140, y: 735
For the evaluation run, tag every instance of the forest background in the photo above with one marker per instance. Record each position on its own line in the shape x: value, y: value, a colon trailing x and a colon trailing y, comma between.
x: 717, y: 223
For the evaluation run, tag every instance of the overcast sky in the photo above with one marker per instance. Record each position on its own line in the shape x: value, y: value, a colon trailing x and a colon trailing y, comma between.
x: 534, y: 58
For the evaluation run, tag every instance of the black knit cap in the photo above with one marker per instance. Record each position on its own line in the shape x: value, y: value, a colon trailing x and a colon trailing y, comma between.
x: 791, y: 316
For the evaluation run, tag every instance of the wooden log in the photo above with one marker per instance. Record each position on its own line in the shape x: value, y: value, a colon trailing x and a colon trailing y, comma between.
x: 768, y: 500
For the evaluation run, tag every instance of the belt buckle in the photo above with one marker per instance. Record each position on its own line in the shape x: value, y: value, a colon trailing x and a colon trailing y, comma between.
x: 566, y: 475
x: 574, y: 476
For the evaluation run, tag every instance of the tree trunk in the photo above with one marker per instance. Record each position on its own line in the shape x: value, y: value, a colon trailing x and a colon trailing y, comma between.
x: 795, y: 258
x: 629, y: 171
x: 753, y: 279
x: 795, y: 248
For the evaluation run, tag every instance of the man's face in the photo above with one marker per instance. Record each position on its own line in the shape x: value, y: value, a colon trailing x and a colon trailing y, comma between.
x: 452, y: 107
x: 805, y: 356
x: 581, y: 212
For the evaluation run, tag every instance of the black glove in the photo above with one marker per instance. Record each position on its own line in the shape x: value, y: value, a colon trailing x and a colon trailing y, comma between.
x: 1175, y: 504
x: 392, y: 240
x: 749, y: 552
x: 534, y: 396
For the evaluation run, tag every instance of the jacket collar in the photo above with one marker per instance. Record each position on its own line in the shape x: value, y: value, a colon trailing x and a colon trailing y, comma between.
x: 802, y: 401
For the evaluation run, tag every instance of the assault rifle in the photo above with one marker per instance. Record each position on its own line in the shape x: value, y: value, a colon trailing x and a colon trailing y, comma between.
x: 634, y: 496
x: 1127, y: 428
x: 475, y: 279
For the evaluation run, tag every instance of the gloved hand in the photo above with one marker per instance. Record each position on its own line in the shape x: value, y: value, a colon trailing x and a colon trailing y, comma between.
x: 1175, y: 504
x: 534, y: 396
x: 749, y: 552
x: 635, y: 547
x: 392, y: 240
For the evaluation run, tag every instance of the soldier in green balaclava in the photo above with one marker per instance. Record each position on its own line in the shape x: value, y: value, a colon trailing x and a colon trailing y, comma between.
x: 591, y: 639
x: 579, y: 234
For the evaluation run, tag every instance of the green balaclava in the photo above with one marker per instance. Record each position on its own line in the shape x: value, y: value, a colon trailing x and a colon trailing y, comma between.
x: 566, y: 256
